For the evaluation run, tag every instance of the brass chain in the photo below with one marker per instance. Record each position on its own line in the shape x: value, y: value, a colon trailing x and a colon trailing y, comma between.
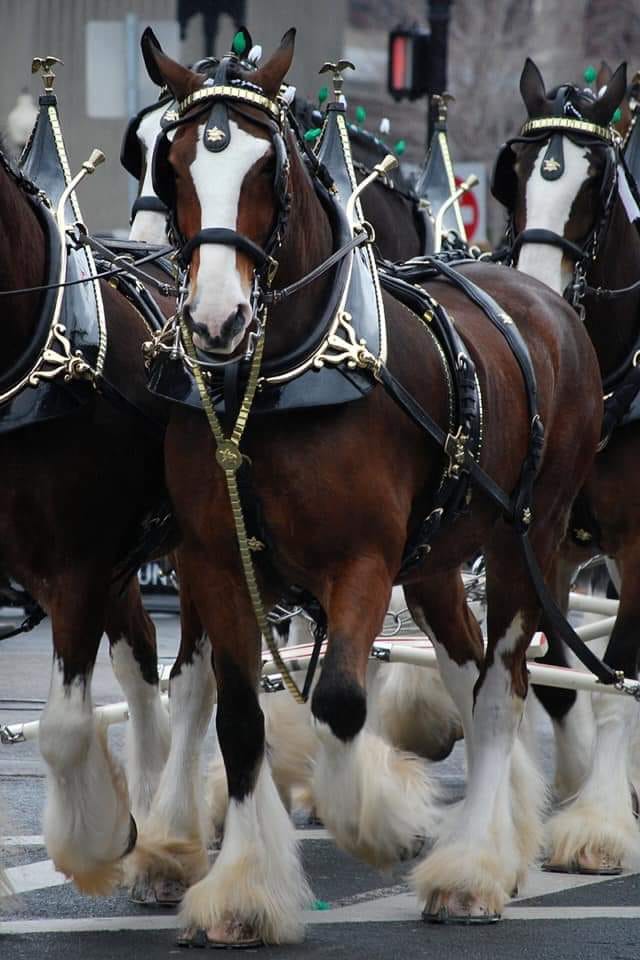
x: 229, y: 458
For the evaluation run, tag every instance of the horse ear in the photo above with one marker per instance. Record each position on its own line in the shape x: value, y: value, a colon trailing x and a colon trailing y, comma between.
x: 604, y: 75
x: 165, y: 71
x: 532, y: 88
x: 611, y: 97
x: 272, y: 73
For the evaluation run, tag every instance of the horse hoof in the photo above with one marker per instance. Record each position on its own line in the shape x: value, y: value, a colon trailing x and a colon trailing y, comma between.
x: 169, y: 893
x: 412, y: 851
x: 133, y: 836
x: 452, y: 909
x: 232, y: 935
x: 603, y: 868
x: 158, y: 893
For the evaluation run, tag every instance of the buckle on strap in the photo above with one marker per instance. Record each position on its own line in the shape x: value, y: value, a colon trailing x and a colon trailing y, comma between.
x: 455, y: 447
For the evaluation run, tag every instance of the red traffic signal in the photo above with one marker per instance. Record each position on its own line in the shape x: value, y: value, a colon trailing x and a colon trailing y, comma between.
x: 408, y: 75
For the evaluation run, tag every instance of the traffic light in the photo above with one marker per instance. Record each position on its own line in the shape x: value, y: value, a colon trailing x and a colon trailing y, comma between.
x: 409, y: 60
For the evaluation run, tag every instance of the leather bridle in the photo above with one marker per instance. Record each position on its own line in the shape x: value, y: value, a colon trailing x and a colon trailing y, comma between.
x: 583, y: 133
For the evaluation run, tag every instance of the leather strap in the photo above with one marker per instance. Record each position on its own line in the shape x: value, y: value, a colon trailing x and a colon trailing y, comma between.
x: 228, y: 238
x: 511, y: 507
x: 538, y: 235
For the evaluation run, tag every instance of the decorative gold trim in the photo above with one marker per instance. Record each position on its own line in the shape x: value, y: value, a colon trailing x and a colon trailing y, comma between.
x: 568, y: 123
x: 227, y: 92
x: 55, y: 360
x: 52, y: 113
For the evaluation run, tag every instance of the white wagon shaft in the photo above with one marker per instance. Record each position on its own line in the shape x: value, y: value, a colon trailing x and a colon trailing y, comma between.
x: 418, y: 651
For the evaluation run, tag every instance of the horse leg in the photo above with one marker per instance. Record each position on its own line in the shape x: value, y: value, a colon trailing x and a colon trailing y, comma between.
x: 134, y: 659
x: 171, y: 851
x: 375, y: 800
x: 483, y: 850
x: 597, y: 832
x: 570, y: 711
x: 256, y: 890
x: 87, y: 824
x: 411, y: 708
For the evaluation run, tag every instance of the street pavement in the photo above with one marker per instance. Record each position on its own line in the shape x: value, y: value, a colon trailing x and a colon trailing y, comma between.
x: 360, y: 912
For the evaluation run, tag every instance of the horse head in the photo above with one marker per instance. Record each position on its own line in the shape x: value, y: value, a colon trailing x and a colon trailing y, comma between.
x: 224, y: 179
x: 558, y: 177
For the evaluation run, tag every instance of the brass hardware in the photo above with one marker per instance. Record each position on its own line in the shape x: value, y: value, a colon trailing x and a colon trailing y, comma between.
x: 45, y: 64
x: 255, y: 545
x: 337, y: 70
x: 582, y: 535
x: 227, y: 92
x: 567, y: 123
x: 527, y: 516
x: 441, y: 101
x: 551, y: 165
x: 97, y: 157
x: 347, y: 349
x: 387, y: 164
x: 272, y: 270
x: 215, y: 135
x: 171, y: 115
x: 228, y: 456
x: 455, y: 446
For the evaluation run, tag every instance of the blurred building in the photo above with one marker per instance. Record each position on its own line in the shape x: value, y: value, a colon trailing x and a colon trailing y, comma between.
x: 94, y: 98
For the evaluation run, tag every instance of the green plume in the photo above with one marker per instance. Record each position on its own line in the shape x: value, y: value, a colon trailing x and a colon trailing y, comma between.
x: 361, y: 115
x: 323, y: 93
x: 617, y: 115
x: 313, y: 134
x: 239, y: 44
x: 400, y: 147
x: 590, y: 74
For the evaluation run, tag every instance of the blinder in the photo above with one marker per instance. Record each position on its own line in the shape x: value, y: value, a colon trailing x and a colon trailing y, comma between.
x: 161, y: 173
x: 504, y: 181
x: 131, y: 151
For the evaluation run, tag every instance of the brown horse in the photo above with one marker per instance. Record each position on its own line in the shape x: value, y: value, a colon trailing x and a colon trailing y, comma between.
x: 73, y: 490
x: 402, y: 228
x: 572, y: 217
x: 341, y: 490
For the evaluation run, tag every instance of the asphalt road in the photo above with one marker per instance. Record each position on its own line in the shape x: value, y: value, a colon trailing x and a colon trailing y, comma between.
x: 362, y: 913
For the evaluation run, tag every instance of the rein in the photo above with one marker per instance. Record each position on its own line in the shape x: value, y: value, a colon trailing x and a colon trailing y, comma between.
x: 101, y: 275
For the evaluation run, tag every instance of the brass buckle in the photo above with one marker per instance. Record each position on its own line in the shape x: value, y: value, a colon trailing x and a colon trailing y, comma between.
x: 455, y: 446
x: 272, y: 269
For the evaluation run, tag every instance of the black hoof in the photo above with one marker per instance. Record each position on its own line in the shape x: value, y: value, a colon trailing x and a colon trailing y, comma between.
x: 133, y: 836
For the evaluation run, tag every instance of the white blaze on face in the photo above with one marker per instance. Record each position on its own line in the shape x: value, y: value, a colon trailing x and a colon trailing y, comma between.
x: 219, y: 291
x: 548, y: 207
x: 148, y: 226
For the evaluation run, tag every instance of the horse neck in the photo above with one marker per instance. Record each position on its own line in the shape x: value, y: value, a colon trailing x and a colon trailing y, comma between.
x: 22, y: 264
x: 614, y: 325
x: 308, y: 241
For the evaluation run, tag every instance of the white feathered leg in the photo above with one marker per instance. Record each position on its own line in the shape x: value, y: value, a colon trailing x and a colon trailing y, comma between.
x: 597, y: 832
x: 478, y: 858
x: 148, y: 730
x: 376, y: 800
x: 171, y: 852
x: 87, y: 826
x: 256, y: 883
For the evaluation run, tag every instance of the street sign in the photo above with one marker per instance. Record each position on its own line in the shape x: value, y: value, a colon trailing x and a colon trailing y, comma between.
x: 473, y: 204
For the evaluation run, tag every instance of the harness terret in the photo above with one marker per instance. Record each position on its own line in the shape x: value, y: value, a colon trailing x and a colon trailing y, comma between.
x: 355, y: 357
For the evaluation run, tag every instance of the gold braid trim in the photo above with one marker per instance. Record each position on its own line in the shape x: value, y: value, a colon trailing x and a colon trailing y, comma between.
x: 230, y: 458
